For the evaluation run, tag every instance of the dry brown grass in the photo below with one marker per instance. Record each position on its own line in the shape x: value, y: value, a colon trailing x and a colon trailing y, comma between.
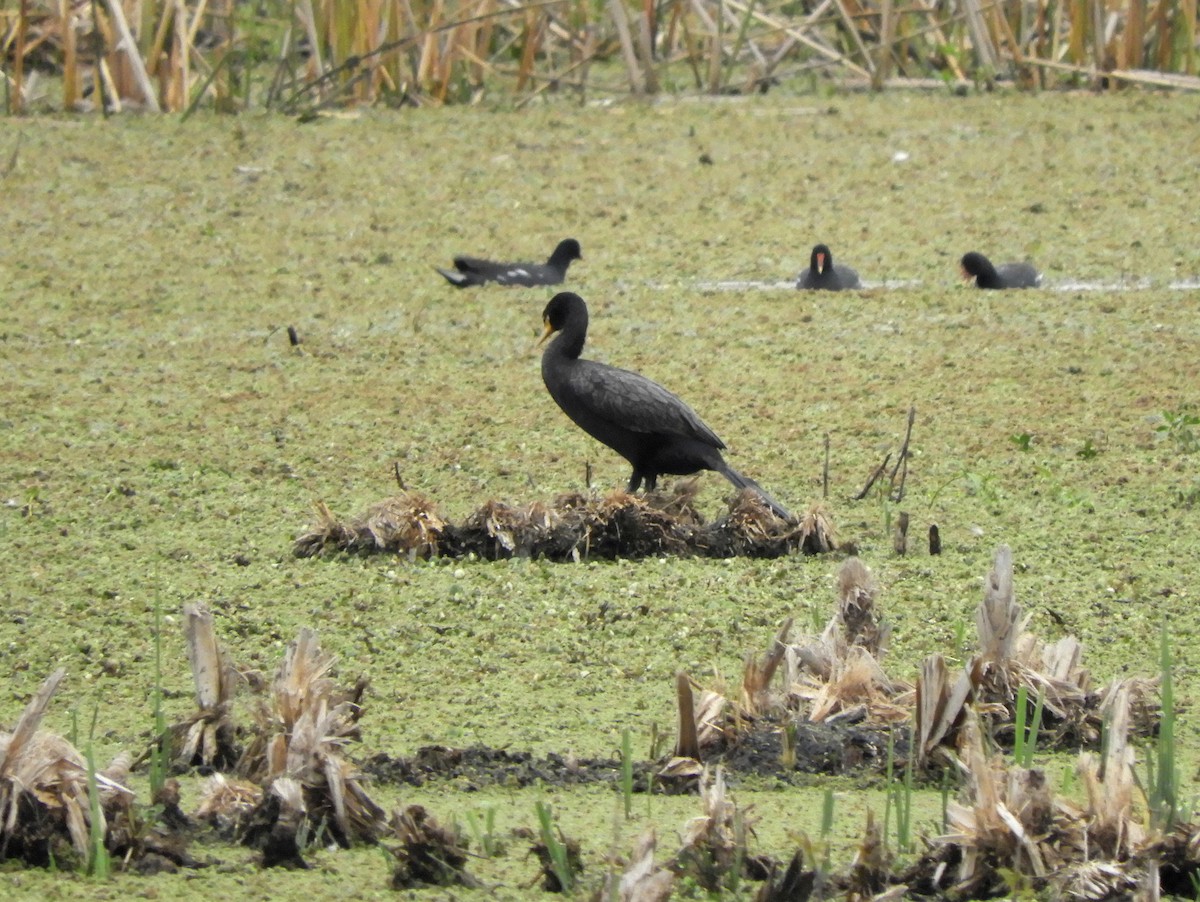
x: 155, y: 54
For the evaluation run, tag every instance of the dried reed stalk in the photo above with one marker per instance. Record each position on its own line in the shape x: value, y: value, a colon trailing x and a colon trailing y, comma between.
x: 441, y: 52
x: 207, y: 737
x: 131, y: 57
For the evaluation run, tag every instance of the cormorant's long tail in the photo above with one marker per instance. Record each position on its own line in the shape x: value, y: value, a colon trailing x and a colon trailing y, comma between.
x: 745, y: 482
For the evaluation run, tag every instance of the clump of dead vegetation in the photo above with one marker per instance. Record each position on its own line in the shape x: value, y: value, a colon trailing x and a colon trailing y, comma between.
x: 428, y: 853
x: 291, y: 786
x: 572, y: 528
x: 57, y: 809
x: 1007, y: 832
x: 1016, y: 678
x: 289, y: 783
x: 1010, y: 826
x: 294, y: 753
x: 833, y: 695
x: 44, y: 808
x: 835, y: 707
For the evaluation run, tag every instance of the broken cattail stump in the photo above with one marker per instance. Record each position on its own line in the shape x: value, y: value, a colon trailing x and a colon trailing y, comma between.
x: 687, y: 743
x: 900, y: 537
x: 935, y: 539
x: 293, y: 337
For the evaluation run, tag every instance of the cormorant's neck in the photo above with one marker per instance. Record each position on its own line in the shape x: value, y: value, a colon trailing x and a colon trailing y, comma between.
x: 560, y: 259
x: 569, y: 342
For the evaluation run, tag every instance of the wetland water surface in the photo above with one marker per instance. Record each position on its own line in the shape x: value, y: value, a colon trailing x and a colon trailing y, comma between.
x: 162, y: 443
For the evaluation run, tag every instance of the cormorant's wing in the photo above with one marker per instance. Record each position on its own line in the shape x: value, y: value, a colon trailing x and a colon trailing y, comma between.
x: 637, y: 403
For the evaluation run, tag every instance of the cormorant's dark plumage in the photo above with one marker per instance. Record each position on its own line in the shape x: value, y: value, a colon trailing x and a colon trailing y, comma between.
x: 639, y: 419
x: 474, y: 271
x: 823, y: 273
x: 1007, y: 275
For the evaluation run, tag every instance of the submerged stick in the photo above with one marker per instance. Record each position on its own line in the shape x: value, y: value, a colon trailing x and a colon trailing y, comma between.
x: 874, y: 476
x: 825, y: 471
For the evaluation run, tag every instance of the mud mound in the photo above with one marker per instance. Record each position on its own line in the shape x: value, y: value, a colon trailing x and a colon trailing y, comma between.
x: 819, y: 748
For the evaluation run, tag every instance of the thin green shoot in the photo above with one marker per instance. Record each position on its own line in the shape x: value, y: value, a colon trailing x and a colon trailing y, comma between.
x: 739, y: 40
x: 945, y: 801
x: 904, y: 794
x: 99, y: 863
x: 485, y: 832
x: 887, y: 795
x: 1164, y: 774
x: 898, y: 796
x: 627, y: 772
x: 1025, y: 737
x: 555, y: 847
x: 158, y: 751
x: 787, y: 746
x: 1019, y: 726
x: 827, y: 806
x: 739, y: 851
x: 1034, y: 727
x: 960, y: 636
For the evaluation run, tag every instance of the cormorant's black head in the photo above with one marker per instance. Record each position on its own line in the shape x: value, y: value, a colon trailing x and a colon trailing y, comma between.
x: 564, y: 307
x: 821, y: 259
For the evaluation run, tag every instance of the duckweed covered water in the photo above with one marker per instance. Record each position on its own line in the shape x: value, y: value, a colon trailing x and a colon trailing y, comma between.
x: 162, y: 442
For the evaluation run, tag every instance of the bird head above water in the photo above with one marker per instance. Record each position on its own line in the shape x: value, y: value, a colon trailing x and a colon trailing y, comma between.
x: 567, y: 250
x: 976, y: 264
x: 821, y: 259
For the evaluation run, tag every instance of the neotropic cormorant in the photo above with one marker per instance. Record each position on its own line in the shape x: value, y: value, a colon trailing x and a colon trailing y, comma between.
x: 473, y: 271
x: 823, y: 273
x: 639, y: 419
x: 1007, y: 275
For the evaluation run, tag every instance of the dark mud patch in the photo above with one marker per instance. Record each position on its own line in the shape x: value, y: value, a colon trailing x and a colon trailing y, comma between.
x: 836, y: 748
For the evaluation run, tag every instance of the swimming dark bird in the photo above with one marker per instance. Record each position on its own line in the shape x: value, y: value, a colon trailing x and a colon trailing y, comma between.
x: 823, y: 273
x: 474, y: 271
x: 639, y: 419
x: 1007, y: 275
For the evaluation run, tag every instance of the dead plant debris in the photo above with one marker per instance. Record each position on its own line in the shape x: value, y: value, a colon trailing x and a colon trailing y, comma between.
x: 572, y: 528
x: 428, y: 854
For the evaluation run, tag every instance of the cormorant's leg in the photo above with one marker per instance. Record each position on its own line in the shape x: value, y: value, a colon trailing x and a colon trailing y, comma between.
x: 651, y: 482
x: 634, y: 482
